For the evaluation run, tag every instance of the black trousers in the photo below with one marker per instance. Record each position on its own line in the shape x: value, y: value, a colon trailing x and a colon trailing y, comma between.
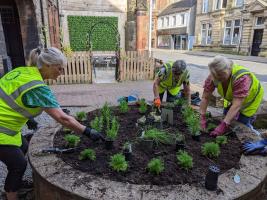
x: 14, y: 158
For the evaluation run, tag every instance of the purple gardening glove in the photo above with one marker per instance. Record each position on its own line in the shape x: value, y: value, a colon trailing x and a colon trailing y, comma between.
x: 220, y: 130
x: 203, y: 122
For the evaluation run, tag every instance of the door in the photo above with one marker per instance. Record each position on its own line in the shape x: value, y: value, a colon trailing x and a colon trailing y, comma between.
x: 12, y: 32
x: 257, y: 39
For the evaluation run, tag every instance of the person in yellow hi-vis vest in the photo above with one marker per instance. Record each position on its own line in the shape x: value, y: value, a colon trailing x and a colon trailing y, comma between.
x: 170, y: 78
x: 241, y: 90
x: 24, y: 95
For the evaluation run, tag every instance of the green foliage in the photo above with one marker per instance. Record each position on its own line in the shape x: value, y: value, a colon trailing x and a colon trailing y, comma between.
x: 143, y: 106
x: 72, y: 140
x: 124, y: 108
x: 184, y: 160
x: 193, y: 124
x: 113, y: 131
x: 118, y: 162
x: 155, y: 166
x: 187, y: 112
x: 106, y: 113
x: 87, y: 154
x: 211, y: 126
x: 103, y: 38
x: 67, y: 130
x: 81, y: 116
x: 180, y: 102
x: 179, y: 137
x: 158, y: 136
x: 210, y: 149
x: 222, y: 139
x: 97, y: 123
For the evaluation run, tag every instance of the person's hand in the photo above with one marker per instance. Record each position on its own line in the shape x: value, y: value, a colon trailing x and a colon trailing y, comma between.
x: 157, y: 102
x: 220, y: 130
x: 258, y: 147
x: 93, y: 134
x: 32, y: 124
x: 203, y: 122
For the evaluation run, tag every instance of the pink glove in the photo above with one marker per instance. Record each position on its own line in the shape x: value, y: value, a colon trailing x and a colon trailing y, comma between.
x: 220, y: 130
x: 203, y: 122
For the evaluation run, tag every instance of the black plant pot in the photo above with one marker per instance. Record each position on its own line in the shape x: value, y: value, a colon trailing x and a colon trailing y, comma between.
x: 196, y: 137
x: 180, y: 145
x: 146, y: 145
x: 109, y: 144
x: 128, y: 155
x: 212, y: 178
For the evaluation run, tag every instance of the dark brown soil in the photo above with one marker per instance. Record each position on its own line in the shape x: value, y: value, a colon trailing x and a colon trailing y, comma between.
x: 136, y: 172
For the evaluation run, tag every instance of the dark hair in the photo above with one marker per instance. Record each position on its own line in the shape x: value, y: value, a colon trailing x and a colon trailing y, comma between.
x: 179, y: 66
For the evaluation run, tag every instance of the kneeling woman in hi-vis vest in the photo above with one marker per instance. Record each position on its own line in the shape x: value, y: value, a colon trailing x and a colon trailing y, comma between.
x: 240, y: 89
x: 170, y: 78
x: 25, y: 95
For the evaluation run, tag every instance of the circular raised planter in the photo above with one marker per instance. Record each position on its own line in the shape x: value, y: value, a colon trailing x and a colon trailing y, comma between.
x: 54, y: 179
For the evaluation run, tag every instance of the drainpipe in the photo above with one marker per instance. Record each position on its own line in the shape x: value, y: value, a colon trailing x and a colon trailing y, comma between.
x: 43, y: 23
x: 150, y: 27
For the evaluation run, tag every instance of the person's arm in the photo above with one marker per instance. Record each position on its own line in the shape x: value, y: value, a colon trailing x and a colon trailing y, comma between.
x: 156, y: 88
x: 187, y: 92
x: 64, y: 119
x: 234, y: 109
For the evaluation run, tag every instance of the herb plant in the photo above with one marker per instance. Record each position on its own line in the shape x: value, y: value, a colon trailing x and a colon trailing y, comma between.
x: 118, y: 162
x: 113, y: 131
x: 81, y: 116
x: 210, y: 149
x: 155, y: 166
x: 222, y: 139
x: 180, y: 102
x: 184, y: 160
x: 143, y: 106
x: 187, y: 112
x: 97, y: 123
x: 211, y: 126
x: 87, y: 154
x: 158, y: 136
x: 106, y: 113
x: 193, y: 125
x: 179, y: 137
x: 72, y: 140
x: 124, y: 108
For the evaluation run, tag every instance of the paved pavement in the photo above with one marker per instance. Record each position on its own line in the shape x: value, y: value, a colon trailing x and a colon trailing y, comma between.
x: 198, y: 65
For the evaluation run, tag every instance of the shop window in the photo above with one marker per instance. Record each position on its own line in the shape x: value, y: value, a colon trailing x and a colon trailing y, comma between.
x: 164, y: 41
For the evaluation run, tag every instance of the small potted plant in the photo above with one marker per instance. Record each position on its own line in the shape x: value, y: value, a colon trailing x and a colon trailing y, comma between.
x: 97, y: 123
x: 155, y: 166
x: 220, y: 140
x: 81, y: 116
x: 118, y: 163
x: 72, y: 140
x: 87, y: 154
x: 127, y: 151
x: 143, y: 106
x: 124, y: 108
x: 179, y: 104
x: 210, y: 149
x: 112, y: 133
x: 194, y: 127
x: 179, y: 142
x: 184, y: 160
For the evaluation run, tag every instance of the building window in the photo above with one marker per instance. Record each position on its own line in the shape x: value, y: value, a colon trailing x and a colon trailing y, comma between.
x: 182, y: 19
x: 152, y: 25
x: 219, y: 4
x: 174, y: 21
x: 164, y: 41
x: 232, y: 32
x: 260, y: 21
x: 205, y: 6
x: 162, y: 22
x: 239, y: 3
x: 206, y: 34
x: 167, y: 21
x: 154, y: 4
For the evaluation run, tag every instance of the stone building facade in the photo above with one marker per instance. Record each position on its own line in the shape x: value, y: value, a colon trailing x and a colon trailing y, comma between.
x: 235, y: 26
x: 24, y: 25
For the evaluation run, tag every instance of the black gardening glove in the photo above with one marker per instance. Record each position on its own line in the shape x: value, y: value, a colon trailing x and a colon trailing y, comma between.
x: 32, y: 124
x: 93, y: 134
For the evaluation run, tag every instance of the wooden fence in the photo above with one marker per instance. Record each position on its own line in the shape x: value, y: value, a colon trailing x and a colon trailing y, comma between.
x: 78, y: 70
x: 136, y: 65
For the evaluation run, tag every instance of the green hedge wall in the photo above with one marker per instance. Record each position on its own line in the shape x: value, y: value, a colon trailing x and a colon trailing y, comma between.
x: 103, y: 36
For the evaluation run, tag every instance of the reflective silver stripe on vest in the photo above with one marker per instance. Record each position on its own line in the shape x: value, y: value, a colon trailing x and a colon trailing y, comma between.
x: 7, y: 131
x: 250, y: 102
x: 24, y: 87
x: 241, y: 71
x: 12, y: 104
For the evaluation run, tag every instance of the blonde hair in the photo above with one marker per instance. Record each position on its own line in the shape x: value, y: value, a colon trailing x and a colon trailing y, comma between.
x: 218, y: 64
x: 49, y: 56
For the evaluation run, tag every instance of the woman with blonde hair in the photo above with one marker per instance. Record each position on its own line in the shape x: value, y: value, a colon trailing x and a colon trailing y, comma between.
x: 25, y: 95
x: 241, y: 90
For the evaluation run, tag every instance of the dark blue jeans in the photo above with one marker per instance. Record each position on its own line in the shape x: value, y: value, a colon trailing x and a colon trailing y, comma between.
x: 170, y: 97
x: 242, y: 118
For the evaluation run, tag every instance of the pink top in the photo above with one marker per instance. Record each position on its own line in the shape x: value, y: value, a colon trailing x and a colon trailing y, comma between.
x: 240, y: 86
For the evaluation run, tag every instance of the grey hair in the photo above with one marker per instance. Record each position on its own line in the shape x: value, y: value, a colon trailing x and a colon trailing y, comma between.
x: 220, y: 63
x: 179, y: 65
x: 49, y: 56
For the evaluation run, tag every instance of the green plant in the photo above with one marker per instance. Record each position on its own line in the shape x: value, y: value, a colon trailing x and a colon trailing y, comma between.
x: 222, y: 139
x: 187, y: 112
x: 124, y: 108
x: 211, y: 126
x: 180, y: 102
x: 179, y: 137
x: 72, y: 140
x: 113, y: 131
x: 143, y: 106
x: 97, y: 123
x: 67, y: 130
x: 210, y: 149
x: 118, y: 162
x: 185, y: 160
x: 81, y: 116
x: 106, y: 113
x: 193, y: 124
x: 66, y: 49
x: 155, y: 166
x: 158, y: 136
x: 87, y: 154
